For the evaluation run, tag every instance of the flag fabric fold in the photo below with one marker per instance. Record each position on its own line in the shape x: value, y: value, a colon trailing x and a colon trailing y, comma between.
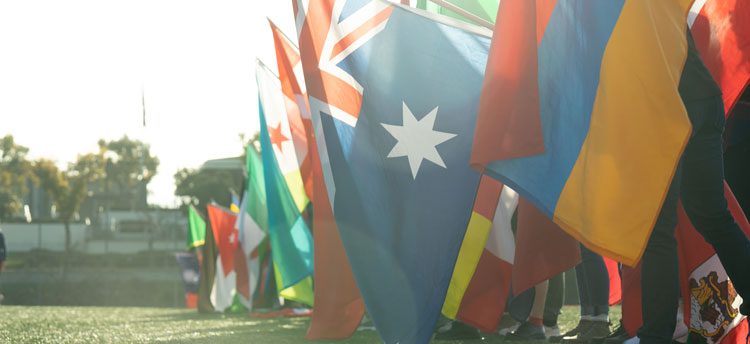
x: 543, y: 249
x: 393, y: 96
x: 611, y: 140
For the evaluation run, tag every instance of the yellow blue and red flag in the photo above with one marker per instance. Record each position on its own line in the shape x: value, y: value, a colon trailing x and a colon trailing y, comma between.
x: 589, y: 89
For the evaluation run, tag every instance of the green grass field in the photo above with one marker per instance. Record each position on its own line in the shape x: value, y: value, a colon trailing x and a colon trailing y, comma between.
x: 22, y: 324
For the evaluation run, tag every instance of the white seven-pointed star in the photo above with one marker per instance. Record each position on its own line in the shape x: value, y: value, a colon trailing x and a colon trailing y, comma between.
x: 417, y: 140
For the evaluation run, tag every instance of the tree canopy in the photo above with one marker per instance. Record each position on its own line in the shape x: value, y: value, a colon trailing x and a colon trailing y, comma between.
x: 15, y: 174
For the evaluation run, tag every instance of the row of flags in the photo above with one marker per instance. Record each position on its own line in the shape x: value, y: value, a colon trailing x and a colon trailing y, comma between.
x: 416, y: 136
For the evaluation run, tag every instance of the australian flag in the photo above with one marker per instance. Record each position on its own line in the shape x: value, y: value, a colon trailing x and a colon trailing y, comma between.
x: 398, y: 171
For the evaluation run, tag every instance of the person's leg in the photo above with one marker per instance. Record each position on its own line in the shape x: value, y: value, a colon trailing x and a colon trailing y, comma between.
x: 540, y: 298
x: 659, y: 273
x: 586, y: 309
x: 584, y: 300
x: 597, y: 281
x: 531, y: 328
x: 736, y: 170
x: 595, y: 302
x: 702, y: 194
x: 554, y: 303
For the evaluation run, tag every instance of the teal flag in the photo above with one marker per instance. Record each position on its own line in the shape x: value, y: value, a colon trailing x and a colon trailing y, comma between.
x: 291, y: 240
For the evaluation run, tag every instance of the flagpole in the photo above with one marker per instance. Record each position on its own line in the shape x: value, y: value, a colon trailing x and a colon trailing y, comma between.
x: 466, y: 14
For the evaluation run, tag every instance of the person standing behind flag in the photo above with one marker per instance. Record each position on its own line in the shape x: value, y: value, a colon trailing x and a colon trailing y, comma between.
x: 699, y: 183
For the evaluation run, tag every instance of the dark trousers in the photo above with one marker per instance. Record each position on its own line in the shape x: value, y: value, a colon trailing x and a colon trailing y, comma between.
x: 699, y: 184
x: 555, y: 298
x: 593, y: 283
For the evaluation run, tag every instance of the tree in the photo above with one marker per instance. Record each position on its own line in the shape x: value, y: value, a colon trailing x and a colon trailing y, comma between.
x: 15, y: 172
x: 201, y: 187
x: 132, y: 168
x: 67, y: 188
x: 68, y: 191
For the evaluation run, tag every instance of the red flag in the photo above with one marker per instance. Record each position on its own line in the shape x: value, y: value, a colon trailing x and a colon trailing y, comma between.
x: 721, y: 30
x: 506, y: 127
x: 338, y: 306
x: 711, y: 302
x: 615, y: 290
x: 483, y: 303
x: 631, y: 299
x: 543, y: 249
x: 222, y: 223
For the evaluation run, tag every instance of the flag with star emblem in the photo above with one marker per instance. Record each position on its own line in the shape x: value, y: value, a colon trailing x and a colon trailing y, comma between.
x: 394, y: 132
x: 282, y: 134
x: 291, y: 241
x: 295, y: 99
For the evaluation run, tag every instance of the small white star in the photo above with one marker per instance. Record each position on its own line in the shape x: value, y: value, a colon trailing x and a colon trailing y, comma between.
x: 417, y: 140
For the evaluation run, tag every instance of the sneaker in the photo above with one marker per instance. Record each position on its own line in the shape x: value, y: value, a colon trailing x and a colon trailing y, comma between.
x: 526, y: 331
x: 596, y: 332
x: 508, y: 330
x: 618, y: 336
x: 552, y: 331
x: 458, y: 331
x: 583, y: 325
x: 507, y: 325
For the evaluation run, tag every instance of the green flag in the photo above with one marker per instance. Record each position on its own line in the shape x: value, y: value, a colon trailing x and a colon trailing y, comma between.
x: 196, y: 235
x: 256, y: 189
x: 484, y: 9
